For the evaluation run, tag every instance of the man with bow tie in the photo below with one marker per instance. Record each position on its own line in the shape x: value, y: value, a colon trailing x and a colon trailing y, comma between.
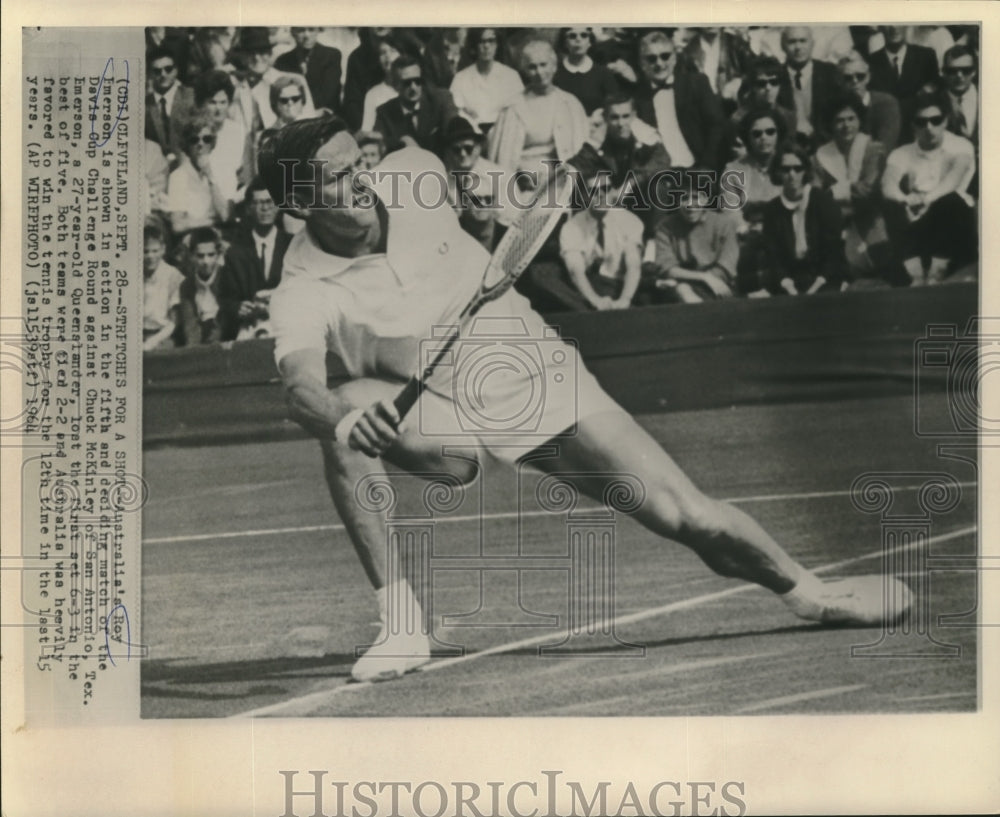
x: 678, y: 101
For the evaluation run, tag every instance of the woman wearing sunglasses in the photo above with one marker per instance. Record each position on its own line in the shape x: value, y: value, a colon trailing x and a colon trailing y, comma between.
x: 928, y: 210
x: 761, y: 131
x: 803, y: 247
x: 288, y: 99
x: 850, y: 166
x: 196, y: 199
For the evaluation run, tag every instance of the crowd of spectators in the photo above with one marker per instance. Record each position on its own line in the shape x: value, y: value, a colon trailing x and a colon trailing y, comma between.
x: 721, y: 162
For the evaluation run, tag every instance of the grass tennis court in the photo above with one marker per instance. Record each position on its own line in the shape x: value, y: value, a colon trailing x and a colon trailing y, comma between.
x: 254, y: 602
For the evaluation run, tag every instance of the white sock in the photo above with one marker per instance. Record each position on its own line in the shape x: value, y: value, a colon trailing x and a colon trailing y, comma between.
x: 406, y: 609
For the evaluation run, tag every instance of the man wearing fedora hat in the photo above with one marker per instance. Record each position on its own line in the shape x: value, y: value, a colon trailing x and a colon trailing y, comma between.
x: 477, y: 187
x: 255, y: 47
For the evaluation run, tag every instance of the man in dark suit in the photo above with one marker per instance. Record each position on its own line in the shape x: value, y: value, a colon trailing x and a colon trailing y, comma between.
x: 902, y: 69
x: 960, y: 69
x: 679, y: 103
x: 882, y: 117
x: 319, y: 64
x: 419, y: 114
x: 168, y: 106
x: 807, y: 85
x: 253, y: 264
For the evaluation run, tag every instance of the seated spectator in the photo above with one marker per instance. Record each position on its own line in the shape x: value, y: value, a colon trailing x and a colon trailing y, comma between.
x: 807, y: 84
x: 928, y: 211
x: 477, y: 188
x: 231, y: 158
x: 252, y: 267
x: 850, y: 166
x: 631, y: 151
x: 200, y: 319
x: 761, y: 130
x: 542, y: 125
x: 696, y: 253
x: 168, y: 105
x: 881, y: 119
x: 902, y: 70
x: 195, y: 198
x: 484, y: 87
x: 318, y: 63
x: 161, y: 293
x: 388, y: 53
x: 578, y: 74
x: 960, y: 69
x: 759, y: 89
x: 372, y: 147
x: 802, y: 230
x: 679, y: 103
x: 418, y: 114
x: 288, y: 100
x: 722, y: 56
x: 256, y: 47
x: 601, y: 249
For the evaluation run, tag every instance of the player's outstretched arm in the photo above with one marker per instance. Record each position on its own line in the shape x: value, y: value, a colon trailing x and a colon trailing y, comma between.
x: 331, y: 414
x: 310, y: 403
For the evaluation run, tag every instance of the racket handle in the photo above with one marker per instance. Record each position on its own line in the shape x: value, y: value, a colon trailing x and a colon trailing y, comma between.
x: 407, y: 398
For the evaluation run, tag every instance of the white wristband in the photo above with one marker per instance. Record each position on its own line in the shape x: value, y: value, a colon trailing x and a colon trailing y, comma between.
x: 343, y: 429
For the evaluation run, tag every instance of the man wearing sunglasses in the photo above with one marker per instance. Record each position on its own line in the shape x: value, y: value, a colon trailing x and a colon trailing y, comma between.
x: 882, y: 117
x: 928, y: 211
x: 318, y: 63
x: 678, y: 101
x: 256, y: 49
x: 477, y: 187
x: 418, y: 115
x: 960, y: 69
x: 168, y: 104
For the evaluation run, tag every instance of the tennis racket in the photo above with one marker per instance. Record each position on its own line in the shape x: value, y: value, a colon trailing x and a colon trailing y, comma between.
x: 519, y: 245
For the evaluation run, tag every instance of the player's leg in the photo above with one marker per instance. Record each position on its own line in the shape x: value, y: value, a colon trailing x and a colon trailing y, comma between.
x: 728, y: 540
x: 401, y: 646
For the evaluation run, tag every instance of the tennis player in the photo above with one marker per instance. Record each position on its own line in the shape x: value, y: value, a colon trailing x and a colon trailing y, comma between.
x: 379, y: 263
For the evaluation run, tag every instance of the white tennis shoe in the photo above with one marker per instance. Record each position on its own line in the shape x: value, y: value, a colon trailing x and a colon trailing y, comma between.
x: 402, y: 645
x: 860, y: 601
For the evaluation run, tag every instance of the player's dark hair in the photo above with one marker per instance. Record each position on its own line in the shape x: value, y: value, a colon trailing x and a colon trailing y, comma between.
x: 282, y: 151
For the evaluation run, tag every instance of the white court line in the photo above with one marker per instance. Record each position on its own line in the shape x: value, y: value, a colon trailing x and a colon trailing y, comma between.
x: 739, y: 500
x: 325, y: 694
x: 770, y: 703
